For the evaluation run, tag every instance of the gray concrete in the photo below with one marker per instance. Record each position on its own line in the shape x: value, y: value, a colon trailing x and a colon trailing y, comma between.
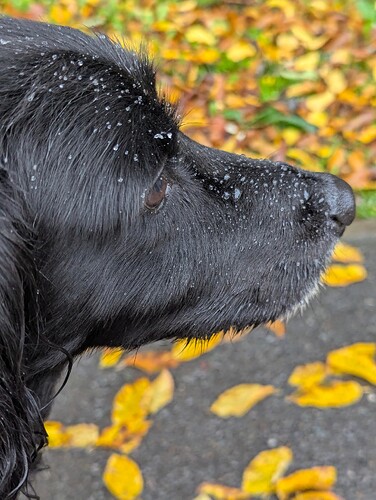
x: 188, y: 445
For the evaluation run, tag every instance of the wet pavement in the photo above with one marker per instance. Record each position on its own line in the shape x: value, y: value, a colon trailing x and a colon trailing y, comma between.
x: 188, y: 445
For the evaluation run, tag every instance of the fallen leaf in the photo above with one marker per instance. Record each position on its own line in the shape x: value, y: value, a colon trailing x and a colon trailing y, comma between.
x: 161, y: 391
x: 333, y: 395
x: 186, y: 350
x: 346, y: 253
x: 262, y: 472
x: 82, y: 435
x: 110, y: 357
x: 151, y: 361
x: 305, y: 376
x: 342, y: 275
x: 320, y: 102
x: 221, y: 492
x: 199, y: 34
x: 56, y: 434
x: 317, y: 495
x: 238, y: 400
x: 356, y: 359
x: 240, y: 50
x: 130, y: 407
x: 316, y: 478
x: 123, y: 477
x: 120, y: 438
x: 277, y: 327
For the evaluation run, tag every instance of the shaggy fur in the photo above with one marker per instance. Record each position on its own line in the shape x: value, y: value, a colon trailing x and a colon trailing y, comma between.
x: 88, y: 258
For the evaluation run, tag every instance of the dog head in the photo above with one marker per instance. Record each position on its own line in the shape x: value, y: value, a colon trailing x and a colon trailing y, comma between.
x: 120, y: 229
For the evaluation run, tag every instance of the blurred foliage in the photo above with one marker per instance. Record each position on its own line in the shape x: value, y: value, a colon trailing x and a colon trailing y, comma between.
x: 289, y: 80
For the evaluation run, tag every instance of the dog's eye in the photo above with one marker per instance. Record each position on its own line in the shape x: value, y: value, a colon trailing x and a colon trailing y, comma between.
x: 157, y: 193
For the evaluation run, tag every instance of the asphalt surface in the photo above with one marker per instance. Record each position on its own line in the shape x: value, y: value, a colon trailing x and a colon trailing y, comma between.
x: 188, y: 445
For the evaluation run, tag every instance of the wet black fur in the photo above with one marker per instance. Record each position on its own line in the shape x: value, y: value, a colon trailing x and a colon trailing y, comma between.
x: 83, y: 263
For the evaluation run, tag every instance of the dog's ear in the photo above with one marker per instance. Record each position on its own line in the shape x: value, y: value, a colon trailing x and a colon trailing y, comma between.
x: 21, y: 427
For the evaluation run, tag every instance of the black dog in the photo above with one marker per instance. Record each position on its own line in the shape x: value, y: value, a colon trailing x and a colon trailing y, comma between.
x: 117, y: 230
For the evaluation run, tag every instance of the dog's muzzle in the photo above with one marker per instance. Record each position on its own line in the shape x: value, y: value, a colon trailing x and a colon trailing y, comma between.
x: 341, y: 201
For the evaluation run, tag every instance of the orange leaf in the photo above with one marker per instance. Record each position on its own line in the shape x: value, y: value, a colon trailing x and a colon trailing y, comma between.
x: 123, y: 477
x: 262, y: 472
x: 151, y: 361
x: 356, y: 359
x: 238, y: 400
x: 337, y: 275
x: 333, y: 395
x: 277, y: 327
x: 316, y: 478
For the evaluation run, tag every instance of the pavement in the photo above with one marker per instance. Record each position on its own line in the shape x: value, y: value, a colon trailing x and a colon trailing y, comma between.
x: 188, y: 445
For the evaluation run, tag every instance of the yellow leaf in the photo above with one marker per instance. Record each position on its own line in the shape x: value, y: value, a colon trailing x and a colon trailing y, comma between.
x: 240, y: 50
x: 367, y: 135
x: 320, y: 102
x: 185, y: 350
x: 199, y: 34
x: 337, y: 275
x: 262, y: 472
x: 151, y: 361
x: 119, y: 437
x: 203, y: 496
x: 335, y: 81
x: 221, y: 492
x: 161, y: 391
x: 287, y: 42
x: 309, y: 40
x: 346, y: 253
x: 287, y: 7
x: 307, y: 62
x: 356, y: 359
x: 56, y: 434
x: 291, y: 135
x: 333, y: 395
x: 238, y: 400
x: 303, y: 157
x: 316, y: 478
x: 318, y: 118
x: 129, y: 406
x: 110, y: 357
x: 305, y: 376
x: 123, y: 477
x: 317, y: 495
x: 207, y: 56
x: 82, y: 435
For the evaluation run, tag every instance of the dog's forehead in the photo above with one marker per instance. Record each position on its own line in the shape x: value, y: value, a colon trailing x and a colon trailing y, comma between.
x: 20, y: 35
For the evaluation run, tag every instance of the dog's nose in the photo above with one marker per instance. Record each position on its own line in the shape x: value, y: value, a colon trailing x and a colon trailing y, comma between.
x: 340, y: 198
